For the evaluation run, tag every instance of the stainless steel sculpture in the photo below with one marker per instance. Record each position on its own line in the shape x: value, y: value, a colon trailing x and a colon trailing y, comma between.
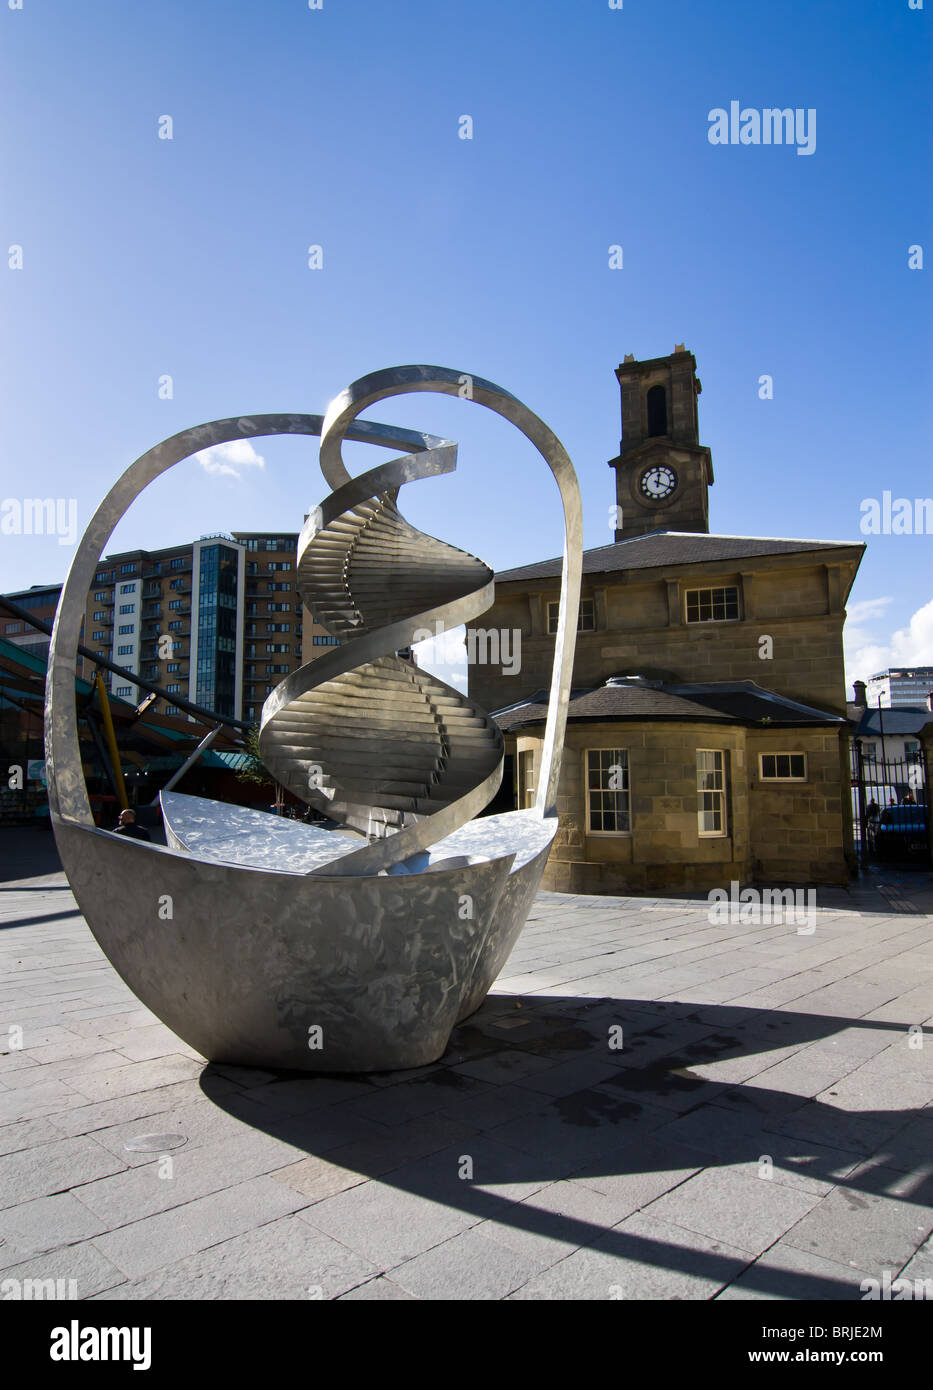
x: 271, y: 943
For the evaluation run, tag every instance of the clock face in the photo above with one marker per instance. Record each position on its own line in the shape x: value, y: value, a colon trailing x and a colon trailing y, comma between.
x: 657, y: 482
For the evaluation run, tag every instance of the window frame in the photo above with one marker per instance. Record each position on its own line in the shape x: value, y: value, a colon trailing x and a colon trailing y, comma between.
x: 711, y: 590
x: 555, y: 605
x: 620, y: 758
x: 526, y: 783
x: 796, y: 753
x: 721, y: 792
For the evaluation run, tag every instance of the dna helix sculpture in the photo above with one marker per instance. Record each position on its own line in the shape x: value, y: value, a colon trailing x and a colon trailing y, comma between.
x: 263, y: 941
x: 374, y: 740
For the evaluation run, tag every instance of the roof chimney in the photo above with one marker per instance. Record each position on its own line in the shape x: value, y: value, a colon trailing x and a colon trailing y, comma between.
x: 861, y: 697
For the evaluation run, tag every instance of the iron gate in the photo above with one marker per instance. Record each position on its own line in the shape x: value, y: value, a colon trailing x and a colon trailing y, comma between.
x: 890, y: 805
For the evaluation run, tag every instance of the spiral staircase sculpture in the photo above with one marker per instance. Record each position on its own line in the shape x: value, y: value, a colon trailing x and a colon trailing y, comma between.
x: 266, y: 942
x: 381, y: 745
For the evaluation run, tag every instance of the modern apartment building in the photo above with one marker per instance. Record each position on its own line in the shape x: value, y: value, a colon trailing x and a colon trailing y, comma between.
x: 138, y: 616
x: 218, y: 621
x: 42, y: 600
x: 895, y: 689
x: 272, y: 626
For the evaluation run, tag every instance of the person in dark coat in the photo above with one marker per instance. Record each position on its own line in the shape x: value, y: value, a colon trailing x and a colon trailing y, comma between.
x: 127, y: 826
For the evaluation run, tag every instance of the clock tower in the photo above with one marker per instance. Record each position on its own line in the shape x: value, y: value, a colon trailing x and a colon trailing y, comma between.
x: 662, y: 471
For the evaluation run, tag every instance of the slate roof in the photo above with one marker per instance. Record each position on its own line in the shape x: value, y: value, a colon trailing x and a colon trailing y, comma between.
x: 672, y: 548
x: 628, y: 698
x: 897, y: 722
x: 751, y: 703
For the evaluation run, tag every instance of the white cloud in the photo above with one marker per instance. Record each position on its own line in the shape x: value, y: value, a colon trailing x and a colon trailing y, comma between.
x: 868, y: 652
x: 229, y: 458
x: 858, y: 613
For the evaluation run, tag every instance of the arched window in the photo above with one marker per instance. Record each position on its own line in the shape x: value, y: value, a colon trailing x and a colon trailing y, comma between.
x: 657, y: 410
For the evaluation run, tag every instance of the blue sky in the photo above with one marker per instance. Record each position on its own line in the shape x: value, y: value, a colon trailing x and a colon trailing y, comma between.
x: 339, y: 127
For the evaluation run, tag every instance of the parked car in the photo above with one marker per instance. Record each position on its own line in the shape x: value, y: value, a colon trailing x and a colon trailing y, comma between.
x: 901, y: 833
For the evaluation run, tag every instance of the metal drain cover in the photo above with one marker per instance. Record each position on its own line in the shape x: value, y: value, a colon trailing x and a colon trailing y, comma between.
x: 154, y: 1143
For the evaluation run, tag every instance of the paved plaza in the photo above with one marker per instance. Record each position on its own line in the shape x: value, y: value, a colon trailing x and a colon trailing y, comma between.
x: 649, y: 1106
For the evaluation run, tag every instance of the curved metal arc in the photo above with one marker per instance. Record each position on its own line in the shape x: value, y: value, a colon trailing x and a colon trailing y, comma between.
x: 388, y: 476
x: 395, y: 381
x: 68, y: 799
x: 391, y: 381
x: 67, y: 793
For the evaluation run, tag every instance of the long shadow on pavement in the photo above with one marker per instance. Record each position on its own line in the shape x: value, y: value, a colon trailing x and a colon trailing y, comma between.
x: 531, y: 1093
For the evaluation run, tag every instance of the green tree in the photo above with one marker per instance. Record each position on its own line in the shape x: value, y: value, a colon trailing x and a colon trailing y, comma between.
x: 254, y: 769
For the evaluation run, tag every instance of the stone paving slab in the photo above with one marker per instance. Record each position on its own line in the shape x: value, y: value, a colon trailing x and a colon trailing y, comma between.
x: 141, y: 1247
x: 650, y: 1106
x: 640, y: 1259
x: 284, y: 1259
x: 788, y: 1273
x: 80, y: 1267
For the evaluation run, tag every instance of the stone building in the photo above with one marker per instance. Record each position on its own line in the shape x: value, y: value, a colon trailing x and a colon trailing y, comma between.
x: 707, y: 737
